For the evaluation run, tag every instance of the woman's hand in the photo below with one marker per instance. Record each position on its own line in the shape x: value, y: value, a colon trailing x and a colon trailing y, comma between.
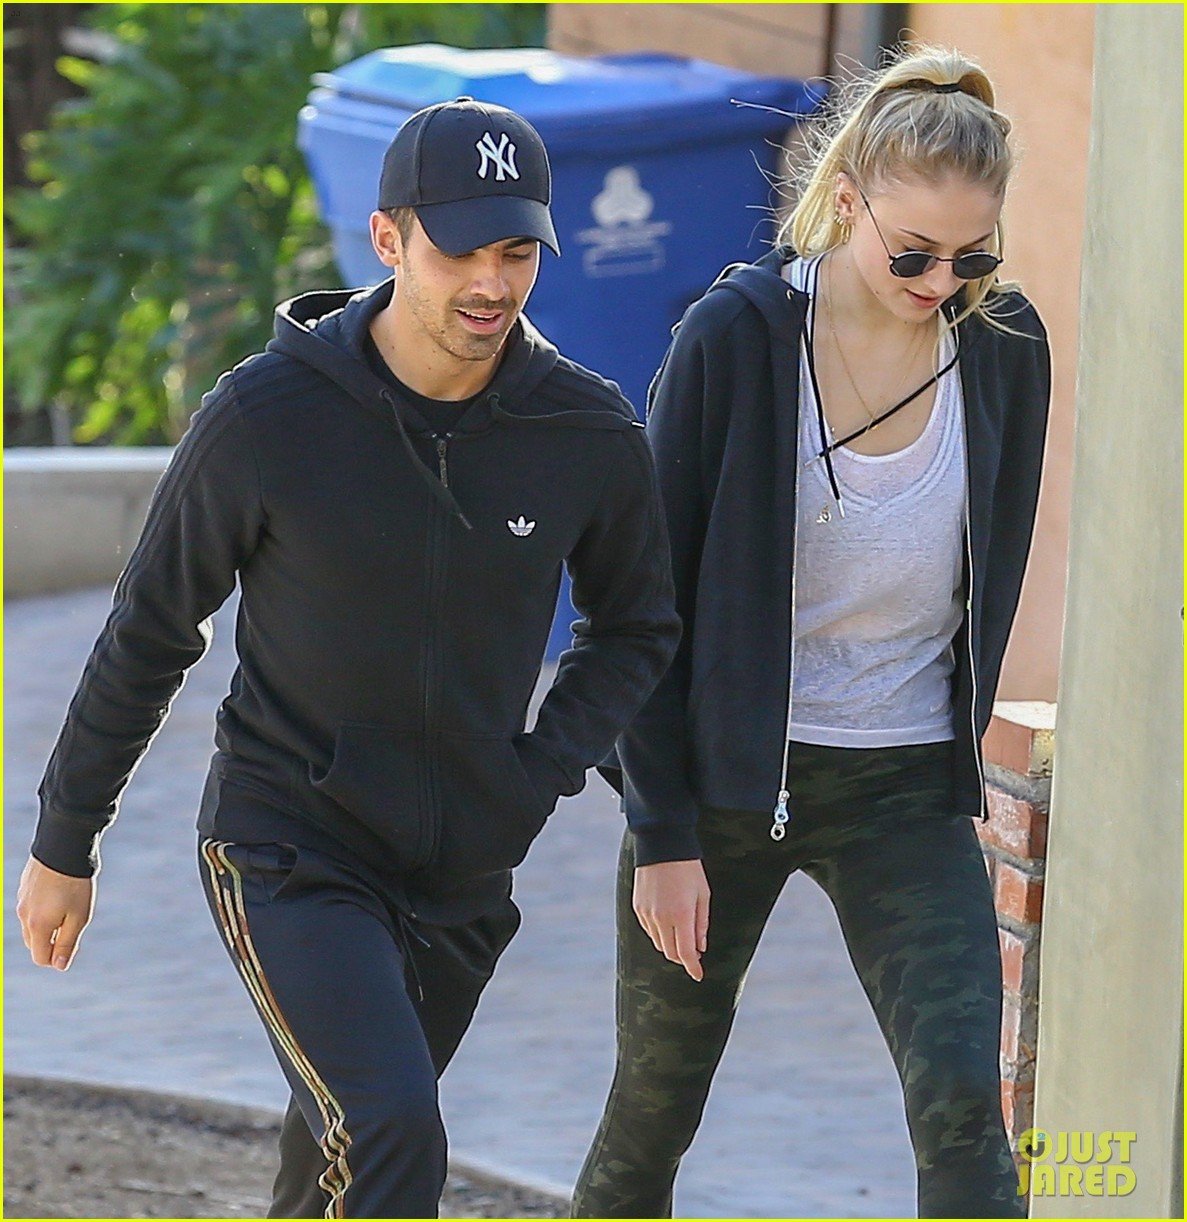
x: 671, y: 901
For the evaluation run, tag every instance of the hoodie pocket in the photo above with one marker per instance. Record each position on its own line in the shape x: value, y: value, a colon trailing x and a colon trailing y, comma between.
x: 492, y: 811
x: 378, y: 776
x: 268, y: 869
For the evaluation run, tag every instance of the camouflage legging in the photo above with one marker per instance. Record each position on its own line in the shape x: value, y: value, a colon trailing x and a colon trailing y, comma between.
x: 907, y: 880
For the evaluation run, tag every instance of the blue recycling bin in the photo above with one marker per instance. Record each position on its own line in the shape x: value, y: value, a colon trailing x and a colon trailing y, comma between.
x: 660, y: 178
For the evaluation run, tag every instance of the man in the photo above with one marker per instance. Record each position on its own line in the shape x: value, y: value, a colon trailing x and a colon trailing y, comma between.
x: 395, y: 482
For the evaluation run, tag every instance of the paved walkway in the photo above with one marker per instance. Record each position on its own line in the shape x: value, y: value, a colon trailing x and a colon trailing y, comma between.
x: 805, y: 1119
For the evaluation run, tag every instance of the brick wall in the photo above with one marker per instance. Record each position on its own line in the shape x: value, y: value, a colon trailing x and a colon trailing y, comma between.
x: 1019, y: 746
x: 801, y: 40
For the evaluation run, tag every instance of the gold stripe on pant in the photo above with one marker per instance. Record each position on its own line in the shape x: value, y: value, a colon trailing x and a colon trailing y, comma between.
x: 227, y: 888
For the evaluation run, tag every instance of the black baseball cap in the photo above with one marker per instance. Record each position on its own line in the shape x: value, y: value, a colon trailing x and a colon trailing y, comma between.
x: 474, y: 172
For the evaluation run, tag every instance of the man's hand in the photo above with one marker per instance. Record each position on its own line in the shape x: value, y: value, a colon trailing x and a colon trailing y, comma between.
x: 672, y: 903
x: 53, y: 910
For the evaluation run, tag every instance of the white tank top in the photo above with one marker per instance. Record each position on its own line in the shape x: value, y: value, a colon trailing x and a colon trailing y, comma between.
x: 877, y: 592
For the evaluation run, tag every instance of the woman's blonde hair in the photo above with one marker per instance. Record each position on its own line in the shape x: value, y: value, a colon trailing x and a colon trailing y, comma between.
x: 897, y: 125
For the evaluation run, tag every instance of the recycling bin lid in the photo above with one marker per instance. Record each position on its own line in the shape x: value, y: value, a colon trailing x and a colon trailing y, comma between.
x: 562, y: 94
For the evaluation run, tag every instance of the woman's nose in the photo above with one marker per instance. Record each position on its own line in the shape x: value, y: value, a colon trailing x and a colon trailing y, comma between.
x: 941, y: 281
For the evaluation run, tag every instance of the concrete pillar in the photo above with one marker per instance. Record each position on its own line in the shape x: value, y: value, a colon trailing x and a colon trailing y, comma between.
x: 1110, y: 1004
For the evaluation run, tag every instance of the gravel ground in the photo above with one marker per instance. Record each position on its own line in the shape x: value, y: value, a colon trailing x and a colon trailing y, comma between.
x: 74, y: 1151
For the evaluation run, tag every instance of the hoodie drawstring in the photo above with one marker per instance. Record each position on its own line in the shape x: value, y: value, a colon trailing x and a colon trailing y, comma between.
x: 608, y: 421
x: 407, y: 934
x: 438, y: 489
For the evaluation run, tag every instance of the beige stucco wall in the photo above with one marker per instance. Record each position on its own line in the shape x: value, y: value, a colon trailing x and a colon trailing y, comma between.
x: 1110, y: 1017
x: 1039, y: 57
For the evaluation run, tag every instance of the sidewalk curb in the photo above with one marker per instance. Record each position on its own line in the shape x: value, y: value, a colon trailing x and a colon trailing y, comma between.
x: 234, y: 1118
x: 476, y: 1168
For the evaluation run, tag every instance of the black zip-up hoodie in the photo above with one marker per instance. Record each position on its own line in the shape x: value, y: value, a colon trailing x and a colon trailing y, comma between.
x: 397, y: 594
x: 722, y: 420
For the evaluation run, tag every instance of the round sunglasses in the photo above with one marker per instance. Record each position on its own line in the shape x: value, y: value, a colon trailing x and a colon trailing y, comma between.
x: 912, y: 263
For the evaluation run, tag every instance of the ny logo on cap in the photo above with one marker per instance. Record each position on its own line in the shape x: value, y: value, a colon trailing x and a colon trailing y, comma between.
x: 501, y: 156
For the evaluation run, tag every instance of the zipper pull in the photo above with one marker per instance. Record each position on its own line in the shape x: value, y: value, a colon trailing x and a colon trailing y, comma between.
x: 778, y: 827
x: 443, y: 470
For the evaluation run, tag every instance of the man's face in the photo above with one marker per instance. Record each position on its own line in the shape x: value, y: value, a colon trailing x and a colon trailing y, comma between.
x: 465, y: 304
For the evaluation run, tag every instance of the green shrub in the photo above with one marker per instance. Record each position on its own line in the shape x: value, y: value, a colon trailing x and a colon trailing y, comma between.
x: 175, y: 208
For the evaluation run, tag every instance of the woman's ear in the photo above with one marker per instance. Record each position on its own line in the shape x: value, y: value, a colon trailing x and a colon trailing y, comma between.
x: 845, y: 198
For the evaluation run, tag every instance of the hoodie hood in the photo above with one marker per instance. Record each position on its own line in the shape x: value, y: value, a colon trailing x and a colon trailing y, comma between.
x: 762, y: 284
x: 326, y: 329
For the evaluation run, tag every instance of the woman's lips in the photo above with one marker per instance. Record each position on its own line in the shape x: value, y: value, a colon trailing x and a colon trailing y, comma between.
x: 928, y: 303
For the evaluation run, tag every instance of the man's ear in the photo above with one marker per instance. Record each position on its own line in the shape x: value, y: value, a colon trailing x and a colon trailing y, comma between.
x: 385, y: 240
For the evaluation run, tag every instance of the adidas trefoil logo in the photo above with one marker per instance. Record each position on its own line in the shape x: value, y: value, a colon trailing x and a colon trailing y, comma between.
x: 521, y: 527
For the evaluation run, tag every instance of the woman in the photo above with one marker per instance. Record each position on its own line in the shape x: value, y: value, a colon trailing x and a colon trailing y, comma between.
x: 849, y: 441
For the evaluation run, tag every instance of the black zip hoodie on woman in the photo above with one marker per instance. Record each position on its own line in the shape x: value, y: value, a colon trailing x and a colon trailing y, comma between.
x: 722, y: 420
x: 397, y: 595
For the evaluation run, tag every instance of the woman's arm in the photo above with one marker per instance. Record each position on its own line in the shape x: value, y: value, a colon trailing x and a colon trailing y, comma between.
x: 671, y: 894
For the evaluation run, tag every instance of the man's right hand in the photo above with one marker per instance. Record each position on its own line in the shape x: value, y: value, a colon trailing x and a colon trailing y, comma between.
x: 53, y: 910
x: 671, y: 900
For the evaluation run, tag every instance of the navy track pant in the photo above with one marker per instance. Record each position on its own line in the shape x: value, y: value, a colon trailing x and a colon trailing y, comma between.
x: 364, y: 1009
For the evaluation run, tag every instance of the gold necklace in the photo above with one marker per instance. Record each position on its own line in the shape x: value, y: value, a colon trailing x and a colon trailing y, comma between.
x: 845, y: 364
